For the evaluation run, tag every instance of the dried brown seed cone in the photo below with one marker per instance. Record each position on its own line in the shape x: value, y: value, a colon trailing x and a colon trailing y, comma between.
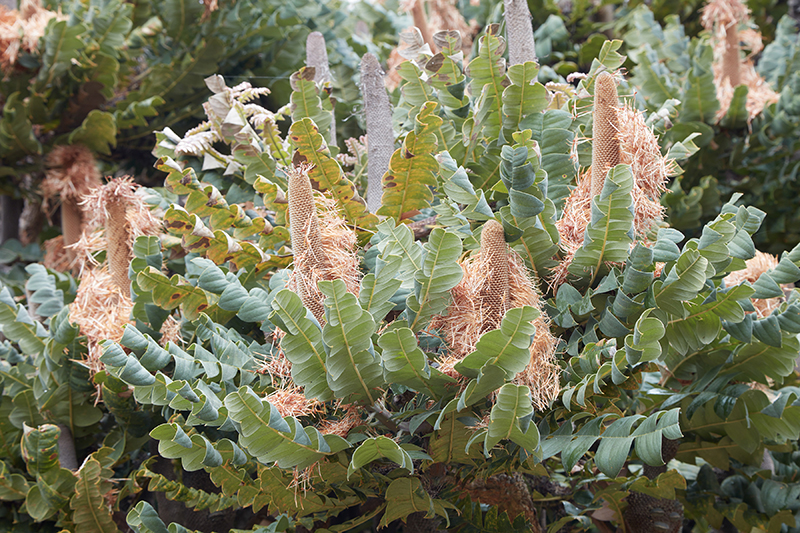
x: 118, y: 248
x: 730, y: 60
x: 421, y: 22
x: 605, y: 131
x: 495, y: 292
x: 306, y: 240
x: 380, y: 137
x: 521, y: 46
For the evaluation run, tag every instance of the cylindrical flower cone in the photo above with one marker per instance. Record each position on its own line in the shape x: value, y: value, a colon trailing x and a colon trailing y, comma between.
x: 605, y: 131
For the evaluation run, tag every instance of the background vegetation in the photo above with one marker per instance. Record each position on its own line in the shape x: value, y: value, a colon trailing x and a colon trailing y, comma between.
x: 235, y: 342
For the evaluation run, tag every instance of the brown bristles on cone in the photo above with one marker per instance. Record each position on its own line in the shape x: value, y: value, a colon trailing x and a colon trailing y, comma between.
x: 474, y: 307
x: 605, y: 130
x: 323, y: 249
x: 494, y: 294
x: 20, y: 31
x: 101, y: 311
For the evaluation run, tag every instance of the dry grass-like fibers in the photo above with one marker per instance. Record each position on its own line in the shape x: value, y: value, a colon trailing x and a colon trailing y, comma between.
x: 496, y: 280
x: 101, y: 311
x: 292, y: 402
x: 639, y: 148
x: 21, y: 30
x: 115, y: 216
x: 722, y: 19
x: 323, y: 245
x: 755, y: 266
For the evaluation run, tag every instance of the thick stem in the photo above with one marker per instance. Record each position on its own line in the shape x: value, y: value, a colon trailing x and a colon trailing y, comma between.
x: 118, y: 248
x: 495, y: 291
x: 730, y: 60
x: 605, y: 131
x: 306, y: 241
x: 519, y: 31
x: 421, y: 22
x: 380, y: 136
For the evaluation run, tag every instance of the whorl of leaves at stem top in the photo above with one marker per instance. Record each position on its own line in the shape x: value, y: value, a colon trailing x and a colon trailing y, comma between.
x: 605, y: 130
x: 495, y: 292
x: 380, y: 137
x: 521, y: 46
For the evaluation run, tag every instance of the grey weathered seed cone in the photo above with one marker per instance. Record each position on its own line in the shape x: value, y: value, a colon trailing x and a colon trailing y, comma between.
x: 605, y: 131
x: 521, y: 46
x: 317, y: 57
x: 380, y: 137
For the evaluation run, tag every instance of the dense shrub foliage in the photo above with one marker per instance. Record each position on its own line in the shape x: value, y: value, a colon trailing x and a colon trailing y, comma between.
x: 519, y: 336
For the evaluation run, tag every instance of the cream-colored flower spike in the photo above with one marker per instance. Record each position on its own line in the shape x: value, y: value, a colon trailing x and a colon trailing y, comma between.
x: 496, y: 280
x: 605, y: 130
x: 324, y: 249
x: 309, y: 255
x: 495, y: 292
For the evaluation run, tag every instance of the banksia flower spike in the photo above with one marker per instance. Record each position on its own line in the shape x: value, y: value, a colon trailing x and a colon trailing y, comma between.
x: 323, y: 249
x: 521, y: 46
x: 380, y: 137
x: 620, y: 135
x: 72, y: 173
x: 496, y: 280
x: 722, y: 19
x: 115, y: 216
x: 605, y: 130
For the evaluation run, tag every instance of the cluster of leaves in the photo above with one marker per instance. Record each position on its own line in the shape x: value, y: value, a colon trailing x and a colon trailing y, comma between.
x: 654, y: 344
x: 113, y: 72
x: 672, y: 74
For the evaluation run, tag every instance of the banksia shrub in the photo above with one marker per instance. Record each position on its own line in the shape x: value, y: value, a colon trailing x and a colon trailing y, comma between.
x: 722, y: 19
